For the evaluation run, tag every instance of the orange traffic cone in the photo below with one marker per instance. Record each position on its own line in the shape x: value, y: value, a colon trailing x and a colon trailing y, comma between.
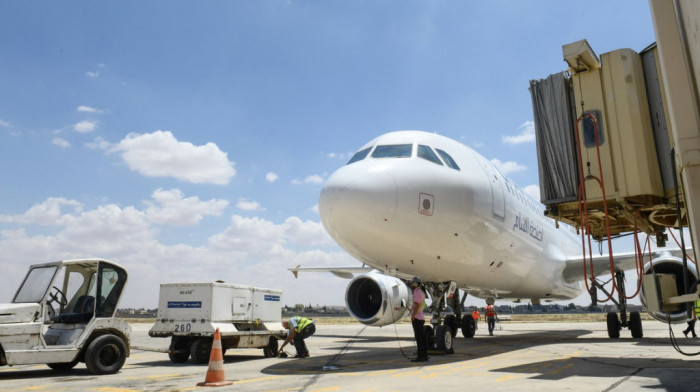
x: 215, y: 372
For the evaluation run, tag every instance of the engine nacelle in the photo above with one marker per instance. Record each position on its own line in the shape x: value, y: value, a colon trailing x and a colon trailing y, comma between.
x: 375, y: 299
x: 670, y: 265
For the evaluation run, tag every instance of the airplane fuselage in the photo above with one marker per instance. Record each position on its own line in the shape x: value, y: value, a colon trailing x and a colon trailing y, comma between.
x: 422, y: 204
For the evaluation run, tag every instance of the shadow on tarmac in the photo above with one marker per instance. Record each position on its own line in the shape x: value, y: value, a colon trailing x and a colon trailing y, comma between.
x: 362, y: 354
x: 80, y: 372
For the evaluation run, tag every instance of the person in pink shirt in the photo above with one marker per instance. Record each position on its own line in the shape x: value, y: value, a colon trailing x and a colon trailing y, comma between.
x: 418, y: 320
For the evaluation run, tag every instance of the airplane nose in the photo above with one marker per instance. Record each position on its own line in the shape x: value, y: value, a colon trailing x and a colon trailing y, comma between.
x: 354, y: 206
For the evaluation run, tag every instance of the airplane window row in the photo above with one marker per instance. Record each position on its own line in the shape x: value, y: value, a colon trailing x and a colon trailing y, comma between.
x: 523, y: 198
x: 427, y: 153
x: 406, y: 151
x: 393, y: 151
x: 360, y: 155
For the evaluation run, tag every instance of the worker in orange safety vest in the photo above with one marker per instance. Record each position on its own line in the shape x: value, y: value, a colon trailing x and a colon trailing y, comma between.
x: 491, y: 318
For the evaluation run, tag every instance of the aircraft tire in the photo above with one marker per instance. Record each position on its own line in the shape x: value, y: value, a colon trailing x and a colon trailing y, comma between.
x: 444, y: 338
x: 636, y: 325
x: 105, y: 355
x: 613, y: 325
x: 452, y: 322
x: 468, y: 326
x: 429, y: 336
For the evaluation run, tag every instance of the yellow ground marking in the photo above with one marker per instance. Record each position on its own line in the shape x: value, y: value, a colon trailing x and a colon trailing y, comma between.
x: 416, y: 372
x: 161, y: 377
x: 383, y: 372
x: 34, y: 388
x: 509, y: 377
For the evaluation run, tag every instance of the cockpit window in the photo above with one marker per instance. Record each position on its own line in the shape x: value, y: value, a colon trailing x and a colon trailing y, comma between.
x: 393, y: 151
x: 448, y: 159
x: 427, y: 153
x: 360, y: 155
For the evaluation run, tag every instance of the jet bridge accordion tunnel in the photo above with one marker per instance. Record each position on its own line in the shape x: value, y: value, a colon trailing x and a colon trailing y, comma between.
x: 603, y: 143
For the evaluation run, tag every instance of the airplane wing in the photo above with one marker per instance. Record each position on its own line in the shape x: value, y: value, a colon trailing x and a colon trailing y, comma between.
x: 601, y: 264
x: 347, y: 272
x: 341, y: 272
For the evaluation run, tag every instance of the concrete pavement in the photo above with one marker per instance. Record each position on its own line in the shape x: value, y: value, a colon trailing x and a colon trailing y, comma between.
x: 352, y: 357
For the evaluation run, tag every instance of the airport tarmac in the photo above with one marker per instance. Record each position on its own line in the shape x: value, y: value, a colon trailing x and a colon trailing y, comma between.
x: 353, y: 357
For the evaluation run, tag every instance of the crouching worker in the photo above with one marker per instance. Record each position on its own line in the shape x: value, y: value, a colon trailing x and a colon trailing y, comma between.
x: 299, y: 328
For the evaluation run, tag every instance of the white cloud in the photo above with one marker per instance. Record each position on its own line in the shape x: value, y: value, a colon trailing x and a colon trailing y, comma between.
x: 271, y: 177
x: 313, y: 179
x: 508, y: 166
x: 340, y: 156
x: 88, y: 109
x: 248, y: 205
x: 48, y: 212
x: 249, y: 251
x: 160, y: 154
x: 533, y: 191
x: 85, y: 126
x: 526, y: 135
x: 95, y: 74
x: 5, y: 124
x: 314, y: 208
x: 259, y: 234
x: 99, y: 144
x: 172, y: 208
x: 61, y: 142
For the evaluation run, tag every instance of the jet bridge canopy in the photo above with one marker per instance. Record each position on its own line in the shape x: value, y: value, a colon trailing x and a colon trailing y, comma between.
x: 597, y: 143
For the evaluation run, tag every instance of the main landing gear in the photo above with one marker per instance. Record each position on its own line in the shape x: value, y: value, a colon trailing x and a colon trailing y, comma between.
x: 614, y: 323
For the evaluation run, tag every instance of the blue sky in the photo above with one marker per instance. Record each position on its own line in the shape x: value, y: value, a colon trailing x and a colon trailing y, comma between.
x: 190, y: 140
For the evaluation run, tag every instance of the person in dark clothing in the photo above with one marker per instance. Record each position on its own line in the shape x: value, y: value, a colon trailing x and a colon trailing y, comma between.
x: 691, y: 322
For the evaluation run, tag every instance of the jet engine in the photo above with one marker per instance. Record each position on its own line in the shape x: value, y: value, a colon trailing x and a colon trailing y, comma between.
x: 375, y: 299
x: 668, y: 264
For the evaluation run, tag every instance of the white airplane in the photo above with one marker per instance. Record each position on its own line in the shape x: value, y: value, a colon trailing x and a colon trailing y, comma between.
x: 413, y: 203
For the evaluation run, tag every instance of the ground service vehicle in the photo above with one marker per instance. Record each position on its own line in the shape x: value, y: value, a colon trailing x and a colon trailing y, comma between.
x: 63, y: 313
x: 190, y: 313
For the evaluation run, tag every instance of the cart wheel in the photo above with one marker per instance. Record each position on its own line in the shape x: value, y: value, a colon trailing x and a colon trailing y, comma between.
x: 200, y: 351
x: 271, y: 349
x: 179, y: 350
x: 105, y: 355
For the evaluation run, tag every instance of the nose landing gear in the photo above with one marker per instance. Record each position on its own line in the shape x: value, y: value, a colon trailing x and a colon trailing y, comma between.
x: 443, y: 329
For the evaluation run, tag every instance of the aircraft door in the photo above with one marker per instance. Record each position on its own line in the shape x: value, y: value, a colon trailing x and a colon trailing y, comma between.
x: 498, y: 198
